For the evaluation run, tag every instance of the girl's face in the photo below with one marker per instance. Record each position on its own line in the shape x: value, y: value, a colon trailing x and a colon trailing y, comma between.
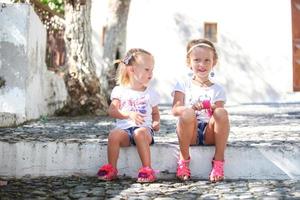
x: 201, y: 61
x: 142, y: 70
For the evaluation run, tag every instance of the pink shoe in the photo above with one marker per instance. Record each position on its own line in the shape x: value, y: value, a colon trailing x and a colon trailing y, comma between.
x: 146, y: 175
x: 183, y: 171
x: 107, y: 173
x: 217, y: 172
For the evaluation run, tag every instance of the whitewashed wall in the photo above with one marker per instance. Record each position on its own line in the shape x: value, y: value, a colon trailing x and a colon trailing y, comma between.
x: 98, y: 20
x: 30, y: 90
x: 254, y: 43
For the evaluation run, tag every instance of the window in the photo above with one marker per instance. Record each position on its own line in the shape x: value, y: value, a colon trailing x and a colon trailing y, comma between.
x: 103, y: 35
x: 210, y: 31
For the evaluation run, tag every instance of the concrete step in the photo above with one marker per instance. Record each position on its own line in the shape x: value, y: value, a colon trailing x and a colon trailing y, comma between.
x: 264, y: 143
x: 60, y: 159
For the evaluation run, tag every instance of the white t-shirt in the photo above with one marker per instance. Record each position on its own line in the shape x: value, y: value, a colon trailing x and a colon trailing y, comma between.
x: 137, y: 101
x: 193, y: 93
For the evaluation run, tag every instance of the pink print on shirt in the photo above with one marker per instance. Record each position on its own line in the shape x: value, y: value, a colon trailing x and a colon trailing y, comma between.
x: 136, y: 105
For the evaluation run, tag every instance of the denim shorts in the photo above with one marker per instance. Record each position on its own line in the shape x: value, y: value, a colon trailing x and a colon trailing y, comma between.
x: 130, y: 132
x: 201, y: 132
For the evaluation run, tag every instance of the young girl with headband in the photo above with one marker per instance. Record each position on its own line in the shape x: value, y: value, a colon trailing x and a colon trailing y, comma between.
x: 134, y: 105
x: 199, y: 105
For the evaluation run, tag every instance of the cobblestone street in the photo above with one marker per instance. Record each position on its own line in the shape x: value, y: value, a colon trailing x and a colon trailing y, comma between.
x: 91, y: 188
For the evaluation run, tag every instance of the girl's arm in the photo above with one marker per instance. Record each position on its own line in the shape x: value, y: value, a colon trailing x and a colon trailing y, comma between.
x: 115, y: 112
x: 178, y: 106
x: 218, y: 104
x: 155, y: 118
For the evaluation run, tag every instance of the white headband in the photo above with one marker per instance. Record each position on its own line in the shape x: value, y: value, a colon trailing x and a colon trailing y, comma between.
x: 199, y: 45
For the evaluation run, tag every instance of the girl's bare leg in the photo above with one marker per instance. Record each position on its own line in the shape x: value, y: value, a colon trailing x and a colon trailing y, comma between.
x: 143, y: 139
x: 187, y: 132
x: 117, y: 138
x: 217, y: 132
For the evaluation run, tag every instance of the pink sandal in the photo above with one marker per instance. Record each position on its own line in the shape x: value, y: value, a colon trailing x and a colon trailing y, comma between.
x: 217, y: 172
x: 107, y: 173
x: 146, y: 175
x: 183, y: 171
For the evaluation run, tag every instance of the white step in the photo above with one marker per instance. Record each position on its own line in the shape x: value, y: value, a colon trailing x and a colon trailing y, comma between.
x: 69, y: 158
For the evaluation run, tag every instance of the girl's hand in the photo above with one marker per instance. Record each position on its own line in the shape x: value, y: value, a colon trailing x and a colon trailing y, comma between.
x: 137, y: 117
x: 197, y: 106
x: 202, y: 105
x: 155, y: 125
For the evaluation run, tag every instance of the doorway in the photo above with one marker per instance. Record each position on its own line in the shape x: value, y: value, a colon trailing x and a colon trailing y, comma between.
x: 296, y: 43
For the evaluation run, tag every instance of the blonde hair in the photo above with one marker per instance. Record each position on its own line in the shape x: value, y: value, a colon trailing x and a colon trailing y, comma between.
x: 200, y: 43
x: 130, y: 59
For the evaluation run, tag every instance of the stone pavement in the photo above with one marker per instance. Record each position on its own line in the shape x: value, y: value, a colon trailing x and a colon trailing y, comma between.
x: 250, y: 125
x: 264, y: 124
x: 88, y: 188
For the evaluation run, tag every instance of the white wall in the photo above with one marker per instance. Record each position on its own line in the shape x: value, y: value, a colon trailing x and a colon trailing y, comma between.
x: 99, y: 12
x: 254, y: 43
x: 30, y: 90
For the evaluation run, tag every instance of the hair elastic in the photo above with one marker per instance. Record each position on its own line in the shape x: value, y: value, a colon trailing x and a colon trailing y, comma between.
x: 199, y: 45
x: 127, y: 59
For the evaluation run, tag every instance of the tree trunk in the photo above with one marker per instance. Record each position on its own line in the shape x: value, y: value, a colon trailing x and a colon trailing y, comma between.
x: 86, y: 95
x: 114, y: 40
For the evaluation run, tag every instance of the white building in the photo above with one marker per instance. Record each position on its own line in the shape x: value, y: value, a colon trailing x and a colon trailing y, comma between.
x: 253, y: 38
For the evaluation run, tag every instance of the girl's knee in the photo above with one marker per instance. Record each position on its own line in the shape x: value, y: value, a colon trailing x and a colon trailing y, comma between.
x: 140, y: 133
x: 187, y: 116
x: 115, y: 136
x: 220, y: 114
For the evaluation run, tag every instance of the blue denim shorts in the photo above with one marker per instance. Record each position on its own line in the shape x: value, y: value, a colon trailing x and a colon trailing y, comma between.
x: 201, y: 132
x: 130, y: 132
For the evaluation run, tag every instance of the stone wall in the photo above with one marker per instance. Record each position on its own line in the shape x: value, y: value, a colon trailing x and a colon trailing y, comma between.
x: 27, y: 89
